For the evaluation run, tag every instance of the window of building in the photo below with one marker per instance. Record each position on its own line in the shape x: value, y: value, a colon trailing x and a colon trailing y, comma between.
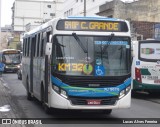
x: 52, y: 14
x: 68, y: 12
x: 71, y: 11
x: 49, y: 6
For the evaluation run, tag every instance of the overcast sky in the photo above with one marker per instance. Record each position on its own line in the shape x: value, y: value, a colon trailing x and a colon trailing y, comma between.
x: 6, y: 12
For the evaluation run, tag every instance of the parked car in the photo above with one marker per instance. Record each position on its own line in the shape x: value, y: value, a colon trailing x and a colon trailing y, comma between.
x: 19, y: 72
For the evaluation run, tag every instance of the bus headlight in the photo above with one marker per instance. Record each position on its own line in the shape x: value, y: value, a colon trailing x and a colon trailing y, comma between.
x: 60, y: 91
x: 18, y: 66
x: 128, y: 89
x: 63, y: 93
x: 121, y: 94
x: 124, y: 92
x: 56, y: 88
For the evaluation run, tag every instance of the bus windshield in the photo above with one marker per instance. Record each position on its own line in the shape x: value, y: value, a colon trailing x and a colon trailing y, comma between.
x: 103, y: 56
x: 12, y: 58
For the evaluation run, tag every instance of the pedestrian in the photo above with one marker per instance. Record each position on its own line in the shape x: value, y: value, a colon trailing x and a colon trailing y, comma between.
x: 1, y: 68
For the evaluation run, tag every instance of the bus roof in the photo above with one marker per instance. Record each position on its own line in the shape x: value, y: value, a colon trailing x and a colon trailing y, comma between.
x: 94, y: 18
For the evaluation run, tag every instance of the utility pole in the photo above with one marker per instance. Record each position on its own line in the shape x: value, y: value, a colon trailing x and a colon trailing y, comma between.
x: 84, y: 7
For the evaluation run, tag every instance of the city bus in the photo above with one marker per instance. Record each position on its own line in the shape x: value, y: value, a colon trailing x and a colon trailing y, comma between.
x: 11, y: 59
x: 146, y: 66
x: 79, y: 63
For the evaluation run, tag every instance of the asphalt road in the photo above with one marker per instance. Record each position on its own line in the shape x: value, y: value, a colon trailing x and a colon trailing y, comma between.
x: 143, y: 106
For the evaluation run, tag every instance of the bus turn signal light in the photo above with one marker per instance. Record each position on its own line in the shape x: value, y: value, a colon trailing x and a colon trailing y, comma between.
x: 138, y: 75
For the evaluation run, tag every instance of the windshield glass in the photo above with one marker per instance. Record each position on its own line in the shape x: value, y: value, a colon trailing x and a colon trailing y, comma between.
x: 11, y: 58
x: 101, y: 58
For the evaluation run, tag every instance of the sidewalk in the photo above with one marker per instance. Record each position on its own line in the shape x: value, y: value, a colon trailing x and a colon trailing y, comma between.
x: 7, y: 106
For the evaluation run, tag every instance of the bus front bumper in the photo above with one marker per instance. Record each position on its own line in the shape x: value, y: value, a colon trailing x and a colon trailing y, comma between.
x: 11, y: 69
x: 57, y: 101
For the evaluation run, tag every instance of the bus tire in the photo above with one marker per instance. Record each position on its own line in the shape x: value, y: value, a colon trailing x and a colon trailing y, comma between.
x: 108, y: 111
x: 133, y: 93
x: 29, y: 96
x: 45, y: 107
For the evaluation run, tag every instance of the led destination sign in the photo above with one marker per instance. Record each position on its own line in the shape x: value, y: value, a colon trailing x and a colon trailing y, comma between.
x: 84, y: 25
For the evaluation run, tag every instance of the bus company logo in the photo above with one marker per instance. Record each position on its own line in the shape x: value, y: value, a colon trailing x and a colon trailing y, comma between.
x: 93, y: 85
x: 87, y: 69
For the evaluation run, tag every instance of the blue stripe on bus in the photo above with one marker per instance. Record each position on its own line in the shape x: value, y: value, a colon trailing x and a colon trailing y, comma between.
x: 90, y: 92
x: 93, y: 18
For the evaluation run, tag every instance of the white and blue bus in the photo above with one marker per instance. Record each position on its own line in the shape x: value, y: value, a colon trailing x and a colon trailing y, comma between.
x: 79, y: 63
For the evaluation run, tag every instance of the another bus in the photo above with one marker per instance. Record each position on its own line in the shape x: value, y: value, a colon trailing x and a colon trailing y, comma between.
x: 79, y: 63
x: 146, y: 66
x: 11, y: 58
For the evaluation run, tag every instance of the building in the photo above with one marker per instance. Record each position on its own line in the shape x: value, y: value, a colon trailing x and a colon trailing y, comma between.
x: 76, y: 7
x: 7, y: 28
x: 6, y: 36
x: 141, y: 10
x: 142, y: 14
x: 28, y: 14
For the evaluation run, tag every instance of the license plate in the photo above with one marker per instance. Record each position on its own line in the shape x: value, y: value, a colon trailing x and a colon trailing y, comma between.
x: 93, y: 102
x: 152, y: 77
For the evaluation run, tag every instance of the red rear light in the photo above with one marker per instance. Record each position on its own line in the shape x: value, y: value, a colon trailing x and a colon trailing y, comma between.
x: 138, y: 75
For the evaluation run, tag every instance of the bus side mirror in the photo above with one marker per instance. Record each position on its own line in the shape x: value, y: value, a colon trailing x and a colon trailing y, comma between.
x: 48, y: 49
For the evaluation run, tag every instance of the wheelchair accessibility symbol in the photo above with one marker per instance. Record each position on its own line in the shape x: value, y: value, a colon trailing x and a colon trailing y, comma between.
x: 99, y: 71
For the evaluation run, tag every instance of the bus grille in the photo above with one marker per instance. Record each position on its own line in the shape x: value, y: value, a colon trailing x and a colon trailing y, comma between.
x: 83, y: 101
x: 92, y: 81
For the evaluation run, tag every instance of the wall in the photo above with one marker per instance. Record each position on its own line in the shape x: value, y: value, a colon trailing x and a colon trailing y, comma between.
x: 34, y: 12
x: 4, y: 41
x: 143, y: 14
x: 76, y: 7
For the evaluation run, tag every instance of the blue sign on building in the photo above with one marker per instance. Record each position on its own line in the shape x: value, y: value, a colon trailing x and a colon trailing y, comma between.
x: 157, y: 31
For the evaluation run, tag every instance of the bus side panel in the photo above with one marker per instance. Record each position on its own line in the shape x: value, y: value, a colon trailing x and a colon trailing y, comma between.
x: 35, y: 78
x: 25, y: 70
x: 31, y: 68
x: 39, y: 77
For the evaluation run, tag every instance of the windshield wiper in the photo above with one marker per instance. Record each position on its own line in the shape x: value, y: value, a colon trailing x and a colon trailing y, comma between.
x: 79, y: 42
x: 120, y: 54
x: 108, y: 43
